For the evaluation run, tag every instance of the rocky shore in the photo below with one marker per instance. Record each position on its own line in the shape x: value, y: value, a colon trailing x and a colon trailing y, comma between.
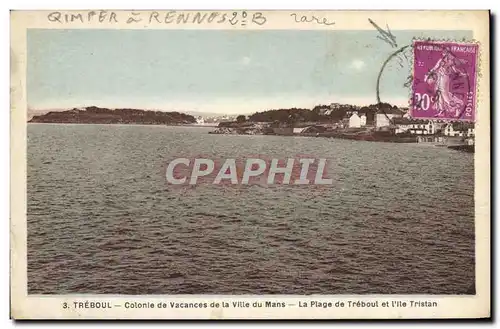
x: 313, y: 131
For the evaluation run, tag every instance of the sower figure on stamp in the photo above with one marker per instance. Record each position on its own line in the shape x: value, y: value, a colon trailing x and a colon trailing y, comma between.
x: 440, y: 77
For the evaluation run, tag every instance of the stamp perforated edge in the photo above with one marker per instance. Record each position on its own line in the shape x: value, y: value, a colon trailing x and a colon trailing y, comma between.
x: 477, y: 76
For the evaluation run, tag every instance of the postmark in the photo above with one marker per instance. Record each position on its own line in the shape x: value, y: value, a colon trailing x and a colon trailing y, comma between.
x: 444, y: 80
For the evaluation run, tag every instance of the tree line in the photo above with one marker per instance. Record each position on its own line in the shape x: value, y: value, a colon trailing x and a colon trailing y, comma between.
x: 320, y: 113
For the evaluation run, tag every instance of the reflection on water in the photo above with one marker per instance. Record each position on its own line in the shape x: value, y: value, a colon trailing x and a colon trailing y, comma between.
x: 398, y: 218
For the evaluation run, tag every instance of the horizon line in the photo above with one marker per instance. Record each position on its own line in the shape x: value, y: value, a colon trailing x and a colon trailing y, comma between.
x: 150, y: 108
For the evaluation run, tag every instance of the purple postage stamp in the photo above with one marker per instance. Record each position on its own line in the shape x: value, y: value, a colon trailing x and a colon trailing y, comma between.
x: 444, y: 80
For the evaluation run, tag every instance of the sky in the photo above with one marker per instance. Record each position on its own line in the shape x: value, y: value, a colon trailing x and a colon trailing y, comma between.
x: 222, y: 71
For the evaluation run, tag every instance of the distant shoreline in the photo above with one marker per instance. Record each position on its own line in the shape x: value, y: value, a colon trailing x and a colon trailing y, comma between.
x: 101, y: 115
x: 125, y: 124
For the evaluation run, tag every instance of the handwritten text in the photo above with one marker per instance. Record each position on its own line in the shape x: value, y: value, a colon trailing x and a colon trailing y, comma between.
x: 236, y: 18
x: 310, y: 19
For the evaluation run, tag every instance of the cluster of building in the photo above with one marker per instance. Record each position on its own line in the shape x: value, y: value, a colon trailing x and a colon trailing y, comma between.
x: 352, y: 120
x: 401, y: 123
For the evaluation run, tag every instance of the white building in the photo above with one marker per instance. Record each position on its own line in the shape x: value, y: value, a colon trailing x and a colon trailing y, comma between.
x: 384, y: 117
x: 363, y: 120
x: 383, y: 120
x: 416, y: 127
x: 459, y: 129
x: 355, y: 121
x: 449, y: 131
x: 200, y: 120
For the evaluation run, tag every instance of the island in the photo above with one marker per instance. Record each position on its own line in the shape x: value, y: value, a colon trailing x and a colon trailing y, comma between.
x: 101, y: 115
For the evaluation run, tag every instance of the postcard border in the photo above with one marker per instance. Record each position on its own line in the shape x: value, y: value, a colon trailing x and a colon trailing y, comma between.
x: 42, y: 307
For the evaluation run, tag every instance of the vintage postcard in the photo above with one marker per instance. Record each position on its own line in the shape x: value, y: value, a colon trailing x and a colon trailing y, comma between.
x: 250, y: 164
